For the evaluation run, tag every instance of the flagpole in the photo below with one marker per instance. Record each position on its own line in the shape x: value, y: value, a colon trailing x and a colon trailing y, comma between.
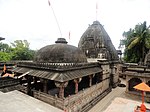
x: 96, y: 10
x: 69, y: 36
x: 55, y: 18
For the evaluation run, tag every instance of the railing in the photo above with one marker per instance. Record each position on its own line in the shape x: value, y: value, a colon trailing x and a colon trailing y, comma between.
x: 6, y: 81
x: 75, y: 102
x: 55, y: 101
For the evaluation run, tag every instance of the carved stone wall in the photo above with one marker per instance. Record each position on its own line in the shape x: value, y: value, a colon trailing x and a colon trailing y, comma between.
x: 76, y: 102
x: 139, y: 74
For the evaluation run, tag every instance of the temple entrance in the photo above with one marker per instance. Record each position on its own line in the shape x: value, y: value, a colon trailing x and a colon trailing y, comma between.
x: 133, y: 82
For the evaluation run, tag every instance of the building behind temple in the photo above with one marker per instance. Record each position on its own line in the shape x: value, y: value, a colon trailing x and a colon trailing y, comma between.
x: 70, y: 78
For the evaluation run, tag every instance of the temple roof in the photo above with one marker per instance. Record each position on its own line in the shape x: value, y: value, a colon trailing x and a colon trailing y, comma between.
x: 60, y: 52
x: 94, y: 39
x: 56, y: 71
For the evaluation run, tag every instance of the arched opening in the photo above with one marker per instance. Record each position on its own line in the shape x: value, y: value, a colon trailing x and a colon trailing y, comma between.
x: 148, y: 83
x: 133, y: 82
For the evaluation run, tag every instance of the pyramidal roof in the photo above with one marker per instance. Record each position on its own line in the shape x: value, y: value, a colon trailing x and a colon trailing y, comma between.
x: 95, y: 39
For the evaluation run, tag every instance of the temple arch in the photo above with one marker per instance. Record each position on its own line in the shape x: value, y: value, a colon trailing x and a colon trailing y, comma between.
x: 132, y: 82
x: 148, y: 83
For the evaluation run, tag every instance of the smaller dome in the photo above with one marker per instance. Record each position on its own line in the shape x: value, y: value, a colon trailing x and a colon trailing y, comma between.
x: 60, y: 52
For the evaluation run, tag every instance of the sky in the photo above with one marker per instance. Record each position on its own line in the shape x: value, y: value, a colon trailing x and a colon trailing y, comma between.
x: 34, y: 20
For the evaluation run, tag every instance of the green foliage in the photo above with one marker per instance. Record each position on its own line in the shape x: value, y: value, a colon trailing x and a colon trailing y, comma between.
x: 22, y: 54
x: 19, y: 50
x: 20, y: 44
x: 5, y: 56
x: 5, y: 47
x: 5, y: 52
x: 137, y: 43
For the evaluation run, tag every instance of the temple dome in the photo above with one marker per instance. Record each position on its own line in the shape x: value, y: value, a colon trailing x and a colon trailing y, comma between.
x: 96, y: 42
x: 60, y: 52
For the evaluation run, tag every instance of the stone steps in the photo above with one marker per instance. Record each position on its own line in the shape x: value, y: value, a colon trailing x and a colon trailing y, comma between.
x: 106, y: 101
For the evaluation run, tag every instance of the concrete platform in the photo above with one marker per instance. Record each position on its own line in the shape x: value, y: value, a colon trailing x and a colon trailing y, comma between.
x: 16, y: 101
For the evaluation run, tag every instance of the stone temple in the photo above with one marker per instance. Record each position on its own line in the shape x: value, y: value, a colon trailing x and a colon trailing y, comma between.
x: 72, y: 78
x: 96, y: 43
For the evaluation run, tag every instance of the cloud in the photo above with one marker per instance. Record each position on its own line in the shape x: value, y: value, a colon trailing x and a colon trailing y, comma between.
x: 34, y: 21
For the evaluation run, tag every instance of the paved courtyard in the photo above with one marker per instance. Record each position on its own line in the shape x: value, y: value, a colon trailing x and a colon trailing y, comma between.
x: 118, y: 101
x: 16, y: 101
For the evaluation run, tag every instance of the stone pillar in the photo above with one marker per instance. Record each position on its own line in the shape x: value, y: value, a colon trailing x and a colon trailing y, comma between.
x: 45, y: 88
x: 29, y: 85
x: 35, y: 83
x: 61, y: 92
x: 61, y: 86
x: 35, y: 80
x: 127, y: 84
x: 90, y: 80
x: 76, y: 81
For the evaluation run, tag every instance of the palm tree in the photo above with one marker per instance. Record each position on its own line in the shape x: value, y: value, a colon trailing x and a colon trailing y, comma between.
x: 138, y: 40
x: 141, y: 39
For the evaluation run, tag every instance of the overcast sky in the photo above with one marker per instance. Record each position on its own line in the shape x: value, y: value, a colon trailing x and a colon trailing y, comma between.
x: 34, y: 21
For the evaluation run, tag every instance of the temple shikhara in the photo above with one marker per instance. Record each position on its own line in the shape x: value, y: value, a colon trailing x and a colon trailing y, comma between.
x: 72, y: 78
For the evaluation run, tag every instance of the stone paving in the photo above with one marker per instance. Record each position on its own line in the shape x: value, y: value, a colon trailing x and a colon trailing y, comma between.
x: 106, y: 101
x: 124, y: 105
x: 112, y: 98
x: 16, y: 101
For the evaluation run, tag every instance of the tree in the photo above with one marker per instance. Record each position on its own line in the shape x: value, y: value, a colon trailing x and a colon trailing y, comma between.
x: 20, y: 44
x: 5, y: 56
x: 5, y: 48
x: 137, y: 43
x: 5, y: 52
x: 21, y: 50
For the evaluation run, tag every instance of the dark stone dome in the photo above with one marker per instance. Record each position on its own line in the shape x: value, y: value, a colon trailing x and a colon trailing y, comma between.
x: 95, y: 41
x: 60, y: 53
